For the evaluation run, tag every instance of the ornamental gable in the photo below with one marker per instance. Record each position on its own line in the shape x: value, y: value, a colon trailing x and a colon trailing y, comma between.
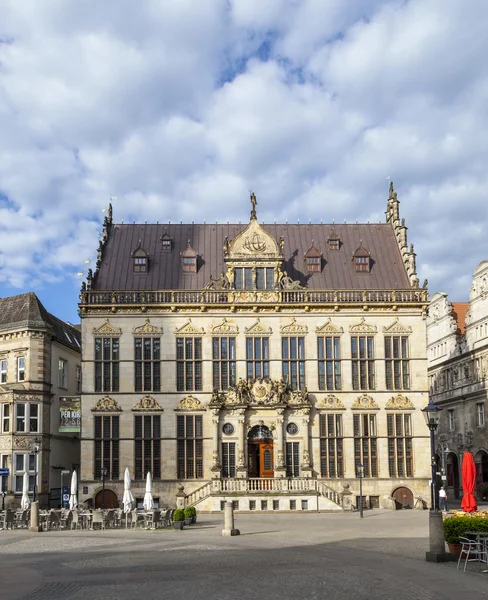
x: 225, y: 328
x: 363, y: 327
x: 148, y: 403
x: 331, y: 402
x: 147, y: 329
x: 328, y: 328
x: 258, y: 329
x: 399, y: 402
x: 107, y: 329
x: 190, y: 403
x: 397, y: 328
x: 107, y: 404
x: 293, y: 328
x: 189, y: 329
x: 364, y: 402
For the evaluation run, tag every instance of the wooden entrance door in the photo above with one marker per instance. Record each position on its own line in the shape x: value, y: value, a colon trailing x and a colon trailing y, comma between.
x: 403, y: 498
x: 110, y: 499
x: 266, y: 460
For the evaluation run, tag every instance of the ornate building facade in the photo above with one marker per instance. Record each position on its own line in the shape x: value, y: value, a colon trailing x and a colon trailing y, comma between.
x: 457, y: 334
x: 264, y: 363
x: 40, y: 364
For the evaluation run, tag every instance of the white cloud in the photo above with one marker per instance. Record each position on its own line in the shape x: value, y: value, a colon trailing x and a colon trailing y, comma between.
x: 178, y: 108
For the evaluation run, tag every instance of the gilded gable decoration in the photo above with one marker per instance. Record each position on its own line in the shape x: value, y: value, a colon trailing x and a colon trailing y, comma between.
x: 397, y: 327
x: 147, y: 329
x: 107, y: 329
x: 107, y: 404
x: 258, y: 329
x: 225, y: 328
x: 293, y: 328
x: 365, y: 402
x: 148, y: 403
x: 189, y: 329
x: 399, y: 402
x: 363, y: 327
x: 328, y: 328
x: 190, y: 403
x: 252, y: 242
x: 331, y: 402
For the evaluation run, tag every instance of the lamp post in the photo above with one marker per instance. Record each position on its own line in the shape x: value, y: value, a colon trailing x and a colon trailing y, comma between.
x: 35, y: 450
x: 104, y: 475
x: 432, y: 415
x: 360, y: 474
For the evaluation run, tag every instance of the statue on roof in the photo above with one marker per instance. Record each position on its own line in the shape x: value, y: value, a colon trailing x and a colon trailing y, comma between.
x: 253, y: 203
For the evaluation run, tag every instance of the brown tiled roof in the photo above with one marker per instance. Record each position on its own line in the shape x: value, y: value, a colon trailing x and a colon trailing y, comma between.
x: 459, y: 310
x: 26, y: 310
x: 165, y: 272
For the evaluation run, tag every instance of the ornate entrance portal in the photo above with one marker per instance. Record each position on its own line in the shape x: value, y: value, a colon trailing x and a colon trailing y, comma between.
x: 260, y: 452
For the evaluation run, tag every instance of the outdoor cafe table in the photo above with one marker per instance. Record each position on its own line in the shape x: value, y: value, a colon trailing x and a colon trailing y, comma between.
x: 481, y: 539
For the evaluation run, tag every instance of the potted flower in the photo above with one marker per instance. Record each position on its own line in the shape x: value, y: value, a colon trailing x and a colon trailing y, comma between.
x: 456, y: 527
x: 188, y: 515
x: 191, y: 513
x: 178, y: 518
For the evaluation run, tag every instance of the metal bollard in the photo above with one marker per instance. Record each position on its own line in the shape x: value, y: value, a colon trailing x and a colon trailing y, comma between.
x: 228, y: 529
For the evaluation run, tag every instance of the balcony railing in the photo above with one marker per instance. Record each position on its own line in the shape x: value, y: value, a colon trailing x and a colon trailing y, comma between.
x: 229, y: 297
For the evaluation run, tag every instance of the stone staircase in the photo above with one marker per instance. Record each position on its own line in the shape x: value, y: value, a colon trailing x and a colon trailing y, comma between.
x: 279, y: 494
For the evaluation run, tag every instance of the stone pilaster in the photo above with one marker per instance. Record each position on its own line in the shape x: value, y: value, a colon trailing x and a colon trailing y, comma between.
x: 279, y: 457
x: 241, y: 470
x: 215, y: 468
x: 306, y: 466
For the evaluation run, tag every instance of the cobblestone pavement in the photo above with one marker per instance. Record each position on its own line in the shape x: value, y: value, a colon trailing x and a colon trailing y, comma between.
x: 291, y: 557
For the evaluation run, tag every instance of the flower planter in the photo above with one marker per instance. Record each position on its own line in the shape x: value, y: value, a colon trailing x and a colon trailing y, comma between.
x: 455, y: 549
x: 188, y: 521
x: 193, y: 520
x: 178, y: 524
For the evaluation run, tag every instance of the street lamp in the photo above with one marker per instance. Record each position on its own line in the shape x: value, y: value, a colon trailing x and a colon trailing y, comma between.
x: 35, y: 449
x: 432, y: 416
x: 104, y: 475
x: 360, y: 474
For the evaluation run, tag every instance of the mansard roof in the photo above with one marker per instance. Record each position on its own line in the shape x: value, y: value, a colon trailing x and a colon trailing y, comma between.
x: 26, y: 311
x: 115, y: 272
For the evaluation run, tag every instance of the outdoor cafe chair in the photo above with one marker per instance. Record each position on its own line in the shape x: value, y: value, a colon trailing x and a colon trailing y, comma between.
x: 471, y: 550
x: 153, y: 519
x: 165, y: 519
x: 9, y: 520
x: 97, y: 519
x: 52, y: 521
x: 75, y: 519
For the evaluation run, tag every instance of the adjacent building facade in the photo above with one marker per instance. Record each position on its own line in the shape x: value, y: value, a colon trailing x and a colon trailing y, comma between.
x: 270, y: 364
x: 40, y: 366
x: 457, y: 334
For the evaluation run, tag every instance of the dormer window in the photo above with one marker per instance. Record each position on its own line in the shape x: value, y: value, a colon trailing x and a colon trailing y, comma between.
x: 334, y: 241
x: 361, y: 259
x: 189, y: 259
x: 313, y: 258
x: 140, y: 260
x: 166, y: 242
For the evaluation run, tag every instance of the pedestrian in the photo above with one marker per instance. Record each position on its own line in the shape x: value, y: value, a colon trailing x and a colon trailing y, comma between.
x: 443, y: 499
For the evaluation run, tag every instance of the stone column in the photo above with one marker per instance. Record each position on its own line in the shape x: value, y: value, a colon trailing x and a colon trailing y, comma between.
x: 306, y: 467
x: 229, y: 529
x: 241, y: 471
x: 279, y: 457
x: 215, y: 468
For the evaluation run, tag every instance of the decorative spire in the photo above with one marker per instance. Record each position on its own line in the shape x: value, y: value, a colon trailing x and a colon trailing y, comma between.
x: 253, y: 203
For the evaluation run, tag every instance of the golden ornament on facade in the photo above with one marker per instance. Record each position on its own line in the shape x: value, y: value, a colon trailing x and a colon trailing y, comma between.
x: 258, y: 329
x: 397, y: 328
x: 189, y: 329
x: 399, y: 402
x: 365, y: 401
x: 190, y: 403
x: 225, y: 328
x: 147, y: 403
x: 293, y: 328
x: 331, y: 402
x: 328, y: 328
x: 363, y: 327
x: 147, y: 329
x: 107, y: 329
x: 107, y: 404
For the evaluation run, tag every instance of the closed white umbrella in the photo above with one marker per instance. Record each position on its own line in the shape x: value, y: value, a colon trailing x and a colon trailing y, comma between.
x: 25, y: 502
x: 148, y: 499
x: 73, y: 499
x: 128, y: 499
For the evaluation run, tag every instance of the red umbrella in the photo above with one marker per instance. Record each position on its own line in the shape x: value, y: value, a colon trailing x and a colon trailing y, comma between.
x: 468, y: 503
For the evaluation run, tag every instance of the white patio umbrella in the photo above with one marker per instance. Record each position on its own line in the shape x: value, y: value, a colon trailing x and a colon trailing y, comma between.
x: 25, y: 502
x: 128, y: 499
x: 73, y: 499
x: 148, y: 503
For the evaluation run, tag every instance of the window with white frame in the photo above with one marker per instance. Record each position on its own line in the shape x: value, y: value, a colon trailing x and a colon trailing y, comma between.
x: 26, y: 417
x: 20, y: 368
x: 63, y: 373
x: 4, y: 463
x: 3, y: 370
x: 78, y: 379
x: 5, y: 415
x: 450, y: 414
x: 480, y: 414
x: 22, y: 463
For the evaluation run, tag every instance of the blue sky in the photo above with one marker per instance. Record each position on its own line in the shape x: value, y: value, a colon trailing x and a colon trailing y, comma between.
x: 178, y: 108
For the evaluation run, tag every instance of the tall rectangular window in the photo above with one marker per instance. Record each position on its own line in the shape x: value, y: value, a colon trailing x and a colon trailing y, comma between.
x: 3, y: 370
x: 331, y: 446
x: 293, y: 361
x: 188, y: 364
x: 147, y: 365
x: 257, y: 357
x: 329, y: 353
x: 27, y: 417
x: 366, y: 443
x: 450, y: 415
x: 292, y: 459
x: 228, y: 459
x: 107, y: 452
x: 264, y: 278
x: 21, y: 368
x: 63, y: 373
x: 22, y: 463
x: 189, y: 434
x: 397, y: 363
x: 362, y: 355
x: 147, y: 446
x: 107, y: 357
x: 400, y: 460
x: 78, y: 379
x: 480, y: 414
x: 5, y: 415
x: 223, y: 362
